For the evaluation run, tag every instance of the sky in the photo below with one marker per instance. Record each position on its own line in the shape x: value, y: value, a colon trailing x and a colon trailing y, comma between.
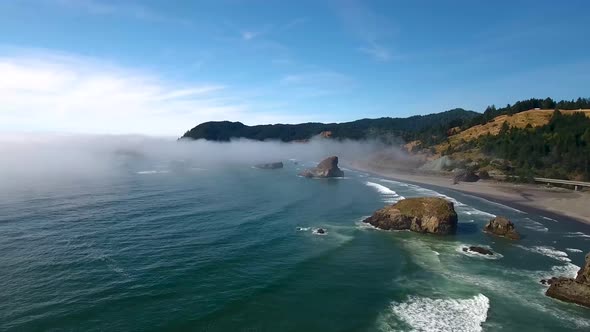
x: 162, y: 67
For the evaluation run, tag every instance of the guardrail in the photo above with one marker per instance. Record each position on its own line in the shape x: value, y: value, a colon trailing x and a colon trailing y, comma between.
x: 568, y: 182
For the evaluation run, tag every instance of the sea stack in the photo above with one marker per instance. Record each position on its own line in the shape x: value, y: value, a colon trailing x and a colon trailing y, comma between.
x: 573, y: 290
x: 501, y: 226
x: 274, y: 165
x: 328, y: 168
x: 421, y: 214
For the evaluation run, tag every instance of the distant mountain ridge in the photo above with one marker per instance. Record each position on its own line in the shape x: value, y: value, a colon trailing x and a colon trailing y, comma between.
x: 387, y: 129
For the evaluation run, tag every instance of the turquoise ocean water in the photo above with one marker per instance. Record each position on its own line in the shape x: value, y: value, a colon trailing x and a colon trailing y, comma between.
x: 168, y: 247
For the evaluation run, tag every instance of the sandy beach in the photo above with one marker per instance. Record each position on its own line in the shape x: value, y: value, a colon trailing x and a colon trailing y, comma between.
x: 552, y: 200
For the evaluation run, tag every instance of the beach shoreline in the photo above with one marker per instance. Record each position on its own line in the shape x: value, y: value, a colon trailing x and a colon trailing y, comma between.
x: 554, y: 203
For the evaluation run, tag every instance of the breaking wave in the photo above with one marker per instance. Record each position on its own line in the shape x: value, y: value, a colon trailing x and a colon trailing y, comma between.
x: 426, y: 314
x: 548, y: 251
x: 389, y: 195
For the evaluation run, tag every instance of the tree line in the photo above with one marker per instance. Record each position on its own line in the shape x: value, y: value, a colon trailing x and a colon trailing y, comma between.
x: 560, y: 149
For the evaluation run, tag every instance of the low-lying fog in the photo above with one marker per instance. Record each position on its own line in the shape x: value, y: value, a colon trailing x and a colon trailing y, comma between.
x: 37, y: 159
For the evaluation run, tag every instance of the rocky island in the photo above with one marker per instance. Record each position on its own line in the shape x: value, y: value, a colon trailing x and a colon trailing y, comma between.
x: 274, y: 165
x: 572, y: 290
x: 327, y: 168
x: 503, y: 227
x: 421, y: 214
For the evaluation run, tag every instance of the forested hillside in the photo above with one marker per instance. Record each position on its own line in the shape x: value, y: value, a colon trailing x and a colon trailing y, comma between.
x: 559, y: 149
x: 530, y: 138
x: 430, y: 129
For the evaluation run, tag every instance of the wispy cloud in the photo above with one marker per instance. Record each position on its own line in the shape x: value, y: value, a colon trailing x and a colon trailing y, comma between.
x: 369, y: 27
x: 249, y: 35
x: 45, y: 91
x: 378, y: 52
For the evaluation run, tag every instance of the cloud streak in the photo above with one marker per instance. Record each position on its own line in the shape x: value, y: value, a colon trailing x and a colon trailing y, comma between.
x: 44, y: 91
x: 368, y: 27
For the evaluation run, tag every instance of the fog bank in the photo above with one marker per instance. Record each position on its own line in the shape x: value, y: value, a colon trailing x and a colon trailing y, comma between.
x: 69, y: 158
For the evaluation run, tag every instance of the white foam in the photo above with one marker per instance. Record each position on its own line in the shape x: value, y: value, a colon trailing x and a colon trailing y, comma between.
x: 471, y: 211
x: 303, y: 229
x: 381, y: 189
x: 534, y: 225
x: 389, y: 195
x: 573, y: 250
x: 495, y: 203
x: 548, y: 251
x: 569, y: 270
x: 577, y: 234
x: 470, y: 253
x: 425, y: 314
x: 395, y: 182
x: 151, y: 172
x: 548, y: 218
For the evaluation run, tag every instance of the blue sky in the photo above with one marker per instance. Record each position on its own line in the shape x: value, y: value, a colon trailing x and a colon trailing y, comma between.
x: 161, y: 67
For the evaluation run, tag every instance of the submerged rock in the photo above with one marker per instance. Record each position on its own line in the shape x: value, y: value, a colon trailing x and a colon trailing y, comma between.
x: 501, y: 226
x: 328, y: 168
x: 320, y: 231
x: 572, y: 290
x: 275, y: 165
x: 422, y: 214
x: 479, y: 250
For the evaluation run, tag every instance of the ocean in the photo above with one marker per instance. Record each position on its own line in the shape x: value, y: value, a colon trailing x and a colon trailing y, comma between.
x: 173, y: 247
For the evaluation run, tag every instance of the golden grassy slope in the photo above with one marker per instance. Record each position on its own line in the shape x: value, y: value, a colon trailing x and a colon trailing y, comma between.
x: 535, y: 118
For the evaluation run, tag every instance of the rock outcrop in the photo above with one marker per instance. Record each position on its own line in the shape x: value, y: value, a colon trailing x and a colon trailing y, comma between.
x: 463, y: 175
x: 328, y: 168
x: 501, y: 226
x: 422, y: 214
x: 479, y: 250
x: 573, y: 290
x: 270, y: 165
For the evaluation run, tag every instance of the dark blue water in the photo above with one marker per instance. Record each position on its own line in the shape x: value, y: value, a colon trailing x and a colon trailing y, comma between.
x: 159, y: 247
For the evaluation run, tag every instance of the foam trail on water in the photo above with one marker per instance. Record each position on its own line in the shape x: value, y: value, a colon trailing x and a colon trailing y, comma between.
x: 494, y: 203
x: 573, y: 250
x: 426, y: 314
x: 151, y: 172
x: 548, y: 251
x: 389, y: 195
x: 577, y: 234
x: 534, y: 225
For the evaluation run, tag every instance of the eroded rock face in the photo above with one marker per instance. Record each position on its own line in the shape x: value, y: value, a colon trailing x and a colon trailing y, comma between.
x: 573, y: 290
x: 270, y: 165
x: 328, y: 168
x: 501, y: 226
x: 422, y: 214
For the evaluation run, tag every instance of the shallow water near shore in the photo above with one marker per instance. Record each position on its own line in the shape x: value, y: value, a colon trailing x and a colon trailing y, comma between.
x: 229, y: 249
